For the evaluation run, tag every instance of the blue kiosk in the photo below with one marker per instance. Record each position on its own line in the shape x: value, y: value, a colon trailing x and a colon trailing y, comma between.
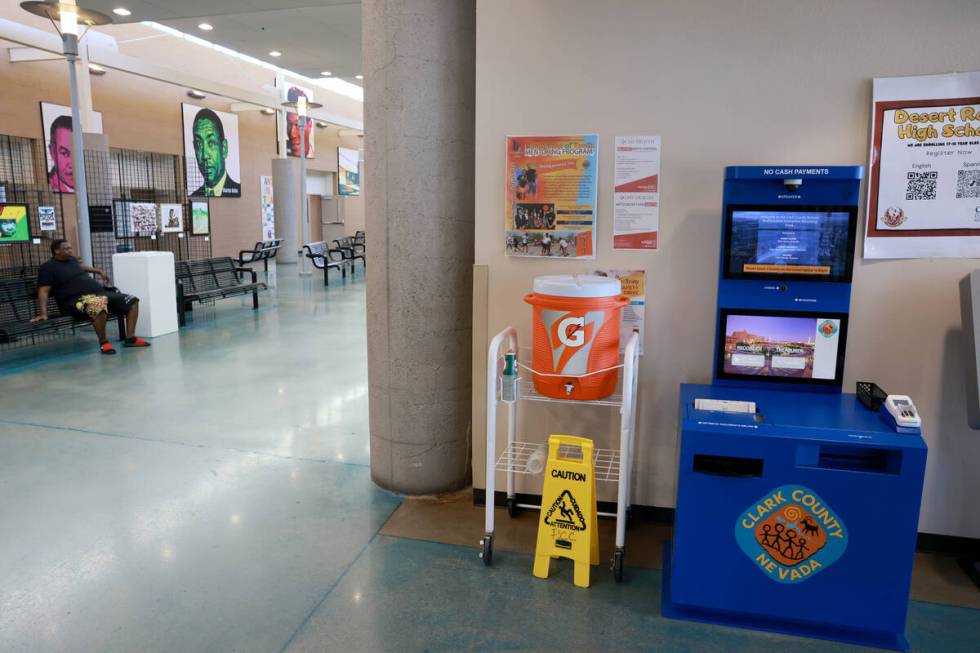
x: 797, y: 506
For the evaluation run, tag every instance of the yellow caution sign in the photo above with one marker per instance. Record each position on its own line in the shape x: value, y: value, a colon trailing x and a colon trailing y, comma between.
x: 569, y: 526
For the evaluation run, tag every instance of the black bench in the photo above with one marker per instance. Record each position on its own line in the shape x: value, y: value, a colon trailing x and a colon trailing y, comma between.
x: 325, y: 258
x: 264, y: 251
x: 212, y: 278
x: 18, y: 305
x: 351, y: 250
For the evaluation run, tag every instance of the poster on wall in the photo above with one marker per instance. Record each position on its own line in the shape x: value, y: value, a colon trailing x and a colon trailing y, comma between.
x: 634, y: 283
x: 57, y: 128
x: 14, y: 224
x: 924, y: 182
x: 268, y: 208
x: 211, y: 152
x: 200, y: 218
x: 46, y: 218
x: 348, y: 171
x: 171, y: 218
x: 135, y: 218
x: 551, y: 196
x: 294, y: 138
x: 636, y: 196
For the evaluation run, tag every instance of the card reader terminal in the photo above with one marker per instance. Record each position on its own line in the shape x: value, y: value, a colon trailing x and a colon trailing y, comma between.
x: 903, y: 411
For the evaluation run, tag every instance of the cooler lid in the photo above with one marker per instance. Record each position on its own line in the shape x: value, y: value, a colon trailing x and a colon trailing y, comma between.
x: 577, y: 285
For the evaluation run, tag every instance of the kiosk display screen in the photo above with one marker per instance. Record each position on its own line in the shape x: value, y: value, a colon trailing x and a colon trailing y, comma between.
x: 15, y: 227
x: 808, y: 243
x: 782, y: 346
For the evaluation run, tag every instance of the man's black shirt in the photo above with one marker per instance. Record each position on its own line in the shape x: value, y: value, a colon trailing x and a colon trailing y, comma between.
x: 67, y: 280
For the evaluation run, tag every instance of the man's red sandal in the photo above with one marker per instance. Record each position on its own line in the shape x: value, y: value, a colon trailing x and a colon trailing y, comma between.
x: 135, y: 342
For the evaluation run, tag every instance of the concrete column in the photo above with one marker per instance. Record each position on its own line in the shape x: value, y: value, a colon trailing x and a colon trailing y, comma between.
x: 285, y: 199
x: 419, y: 60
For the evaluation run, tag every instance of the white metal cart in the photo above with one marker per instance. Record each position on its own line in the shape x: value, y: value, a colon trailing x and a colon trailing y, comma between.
x: 611, y: 465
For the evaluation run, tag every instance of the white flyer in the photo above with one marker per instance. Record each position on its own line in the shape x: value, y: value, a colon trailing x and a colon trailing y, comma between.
x: 46, y: 218
x: 268, y: 208
x: 924, y: 181
x: 636, y: 200
x: 634, y: 283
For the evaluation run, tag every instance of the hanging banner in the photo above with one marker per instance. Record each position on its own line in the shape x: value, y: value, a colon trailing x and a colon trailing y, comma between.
x: 268, y: 209
x: 634, y: 286
x: 551, y: 196
x: 924, y: 186
x: 636, y: 200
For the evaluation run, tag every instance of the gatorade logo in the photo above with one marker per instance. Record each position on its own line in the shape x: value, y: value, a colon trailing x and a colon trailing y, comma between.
x: 575, y: 327
x: 570, y: 335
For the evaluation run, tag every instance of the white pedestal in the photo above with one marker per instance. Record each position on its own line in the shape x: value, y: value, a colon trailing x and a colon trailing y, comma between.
x: 149, y: 276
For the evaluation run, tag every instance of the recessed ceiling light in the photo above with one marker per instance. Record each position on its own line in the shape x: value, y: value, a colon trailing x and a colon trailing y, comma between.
x: 326, y: 73
x: 207, y: 27
x: 197, y: 95
x: 358, y: 76
x: 321, y: 124
x: 275, y: 53
x: 267, y: 111
x: 121, y: 11
x: 96, y: 69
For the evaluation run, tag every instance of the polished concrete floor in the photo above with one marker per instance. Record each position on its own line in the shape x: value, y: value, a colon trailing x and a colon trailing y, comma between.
x: 212, y: 494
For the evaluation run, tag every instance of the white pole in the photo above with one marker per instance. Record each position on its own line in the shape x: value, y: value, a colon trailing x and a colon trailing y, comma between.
x: 78, y: 153
x: 304, y: 271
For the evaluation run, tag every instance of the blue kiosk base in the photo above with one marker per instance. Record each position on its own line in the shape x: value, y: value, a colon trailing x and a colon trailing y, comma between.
x: 800, y: 518
x: 890, y: 641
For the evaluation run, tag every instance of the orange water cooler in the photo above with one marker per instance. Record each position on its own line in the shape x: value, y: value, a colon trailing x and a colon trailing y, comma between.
x: 576, y: 335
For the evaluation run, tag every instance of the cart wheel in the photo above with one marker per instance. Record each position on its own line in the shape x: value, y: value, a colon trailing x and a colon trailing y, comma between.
x: 512, y: 508
x: 486, y: 551
x: 617, y: 565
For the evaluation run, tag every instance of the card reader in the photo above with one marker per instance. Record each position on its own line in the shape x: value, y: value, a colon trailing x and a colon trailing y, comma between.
x: 899, y: 412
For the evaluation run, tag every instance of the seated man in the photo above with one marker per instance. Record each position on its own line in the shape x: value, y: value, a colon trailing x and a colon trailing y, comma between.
x: 78, y: 294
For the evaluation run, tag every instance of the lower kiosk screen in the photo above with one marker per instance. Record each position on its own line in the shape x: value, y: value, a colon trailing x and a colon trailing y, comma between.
x: 782, y: 346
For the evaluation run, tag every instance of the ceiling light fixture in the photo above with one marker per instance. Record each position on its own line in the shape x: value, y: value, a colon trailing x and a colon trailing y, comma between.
x: 321, y: 124
x: 275, y: 53
x: 121, y: 11
x: 96, y: 69
x: 358, y: 76
x: 207, y: 27
x: 326, y: 73
x: 267, y: 111
x: 197, y: 95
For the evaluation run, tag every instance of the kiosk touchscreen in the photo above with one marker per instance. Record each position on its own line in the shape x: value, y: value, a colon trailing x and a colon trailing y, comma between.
x: 781, y: 346
x: 778, y: 242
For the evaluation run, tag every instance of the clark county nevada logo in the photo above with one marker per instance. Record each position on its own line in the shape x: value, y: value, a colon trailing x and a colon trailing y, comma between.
x: 791, y: 534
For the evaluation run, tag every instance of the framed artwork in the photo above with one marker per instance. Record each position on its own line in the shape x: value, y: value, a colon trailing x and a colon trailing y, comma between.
x: 135, y: 218
x: 14, y: 225
x: 348, y: 171
x: 294, y: 141
x: 171, y: 218
x: 200, y: 218
x: 211, y: 152
x: 56, y: 124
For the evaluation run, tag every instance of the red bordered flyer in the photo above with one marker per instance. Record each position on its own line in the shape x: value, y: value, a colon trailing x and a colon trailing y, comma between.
x: 924, y: 182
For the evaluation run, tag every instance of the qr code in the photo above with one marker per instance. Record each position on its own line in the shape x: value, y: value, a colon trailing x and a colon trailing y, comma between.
x: 922, y: 186
x: 967, y: 183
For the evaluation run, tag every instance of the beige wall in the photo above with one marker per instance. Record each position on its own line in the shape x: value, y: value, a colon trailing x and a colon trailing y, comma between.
x: 751, y: 82
x: 144, y: 114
